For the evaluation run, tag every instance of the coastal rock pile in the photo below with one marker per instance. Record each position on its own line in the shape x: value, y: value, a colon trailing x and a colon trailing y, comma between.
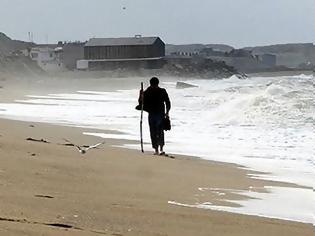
x: 198, y: 68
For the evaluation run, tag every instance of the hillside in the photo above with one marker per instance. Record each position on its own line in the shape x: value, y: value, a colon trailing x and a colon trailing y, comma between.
x: 290, y: 55
x: 15, y: 65
x: 7, y: 45
x: 283, y: 48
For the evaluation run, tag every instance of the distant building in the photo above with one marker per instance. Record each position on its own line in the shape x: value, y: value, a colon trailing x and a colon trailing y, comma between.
x: 113, y: 53
x: 42, y: 55
x: 209, y: 52
x: 183, y: 54
x: 245, y: 61
x: 240, y: 53
x: 268, y: 59
x: 72, y: 52
x: 49, y: 59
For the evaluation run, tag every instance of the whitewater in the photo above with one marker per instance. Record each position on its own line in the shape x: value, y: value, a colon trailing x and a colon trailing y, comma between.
x: 264, y: 124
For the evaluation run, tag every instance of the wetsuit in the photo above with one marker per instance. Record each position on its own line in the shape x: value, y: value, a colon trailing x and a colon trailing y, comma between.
x: 157, y: 104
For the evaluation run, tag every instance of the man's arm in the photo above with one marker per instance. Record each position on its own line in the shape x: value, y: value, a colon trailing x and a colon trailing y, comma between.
x: 141, y: 95
x: 167, y: 102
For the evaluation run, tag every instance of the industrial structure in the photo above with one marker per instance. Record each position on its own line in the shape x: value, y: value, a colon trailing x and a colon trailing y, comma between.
x: 72, y: 52
x: 121, y: 53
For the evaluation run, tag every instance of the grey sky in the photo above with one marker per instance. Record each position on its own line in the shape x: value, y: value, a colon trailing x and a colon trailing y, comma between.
x: 234, y: 22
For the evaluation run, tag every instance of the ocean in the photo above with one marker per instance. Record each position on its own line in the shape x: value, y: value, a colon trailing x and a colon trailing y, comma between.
x: 265, y: 124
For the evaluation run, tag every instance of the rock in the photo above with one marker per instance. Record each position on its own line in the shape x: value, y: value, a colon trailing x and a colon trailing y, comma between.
x: 183, y: 85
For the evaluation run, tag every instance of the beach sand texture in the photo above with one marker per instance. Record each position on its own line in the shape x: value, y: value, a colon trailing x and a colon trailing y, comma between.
x: 51, y: 189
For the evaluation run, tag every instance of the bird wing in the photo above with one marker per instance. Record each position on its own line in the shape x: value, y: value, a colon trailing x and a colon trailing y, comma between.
x: 78, y: 147
x: 68, y: 141
x: 94, y: 146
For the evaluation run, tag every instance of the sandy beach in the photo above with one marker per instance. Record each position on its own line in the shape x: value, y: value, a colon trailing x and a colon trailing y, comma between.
x: 51, y: 189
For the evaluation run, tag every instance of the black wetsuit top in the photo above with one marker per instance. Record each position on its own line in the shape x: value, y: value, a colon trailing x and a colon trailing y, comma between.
x: 155, y: 100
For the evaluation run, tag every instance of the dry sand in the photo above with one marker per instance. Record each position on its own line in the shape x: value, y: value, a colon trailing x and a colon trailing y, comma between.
x: 46, y: 187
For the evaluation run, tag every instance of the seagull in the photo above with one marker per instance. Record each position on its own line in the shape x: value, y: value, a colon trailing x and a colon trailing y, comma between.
x: 83, y: 149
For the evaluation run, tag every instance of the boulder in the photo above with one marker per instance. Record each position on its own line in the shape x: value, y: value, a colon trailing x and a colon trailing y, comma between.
x: 183, y: 85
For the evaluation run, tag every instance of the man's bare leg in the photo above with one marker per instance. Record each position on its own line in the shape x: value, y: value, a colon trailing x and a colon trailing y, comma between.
x: 162, y: 151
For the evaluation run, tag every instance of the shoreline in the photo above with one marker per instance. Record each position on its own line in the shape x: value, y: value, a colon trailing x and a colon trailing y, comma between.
x: 96, y: 133
x: 151, y: 200
x: 107, y: 135
x: 142, y: 168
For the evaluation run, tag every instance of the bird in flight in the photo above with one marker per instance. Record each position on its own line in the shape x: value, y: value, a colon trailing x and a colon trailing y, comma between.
x: 83, y: 149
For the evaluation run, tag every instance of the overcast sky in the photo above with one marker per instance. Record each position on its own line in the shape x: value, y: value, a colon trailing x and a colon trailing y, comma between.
x: 235, y: 22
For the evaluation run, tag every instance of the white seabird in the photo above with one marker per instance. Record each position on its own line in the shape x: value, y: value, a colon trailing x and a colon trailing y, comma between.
x: 83, y: 149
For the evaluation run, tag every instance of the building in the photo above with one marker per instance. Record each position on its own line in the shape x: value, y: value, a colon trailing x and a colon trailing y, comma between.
x: 268, y: 59
x: 209, y: 52
x: 72, y: 52
x: 114, y: 53
x: 42, y: 55
x: 240, y: 53
x: 184, y: 54
x: 48, y: 57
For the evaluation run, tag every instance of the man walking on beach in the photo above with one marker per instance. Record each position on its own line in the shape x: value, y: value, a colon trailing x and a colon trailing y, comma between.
x: 157, y: 103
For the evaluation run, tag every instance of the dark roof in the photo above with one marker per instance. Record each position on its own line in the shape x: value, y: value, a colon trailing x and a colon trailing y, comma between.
x: 121, y: 41
x: 47, y: 46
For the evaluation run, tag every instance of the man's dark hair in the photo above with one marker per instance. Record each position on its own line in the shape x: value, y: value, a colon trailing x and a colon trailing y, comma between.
x: 154, y: 81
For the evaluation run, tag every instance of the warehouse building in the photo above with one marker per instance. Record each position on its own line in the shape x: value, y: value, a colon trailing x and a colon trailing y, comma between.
x: 114, y: 53
x: 72, y: 52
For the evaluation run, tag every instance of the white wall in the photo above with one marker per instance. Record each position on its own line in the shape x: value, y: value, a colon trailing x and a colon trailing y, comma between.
x: 46, y: 59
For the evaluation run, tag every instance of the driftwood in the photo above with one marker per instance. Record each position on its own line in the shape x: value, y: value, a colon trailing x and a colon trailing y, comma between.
x: 37, y: 140
x: 44, y: 196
